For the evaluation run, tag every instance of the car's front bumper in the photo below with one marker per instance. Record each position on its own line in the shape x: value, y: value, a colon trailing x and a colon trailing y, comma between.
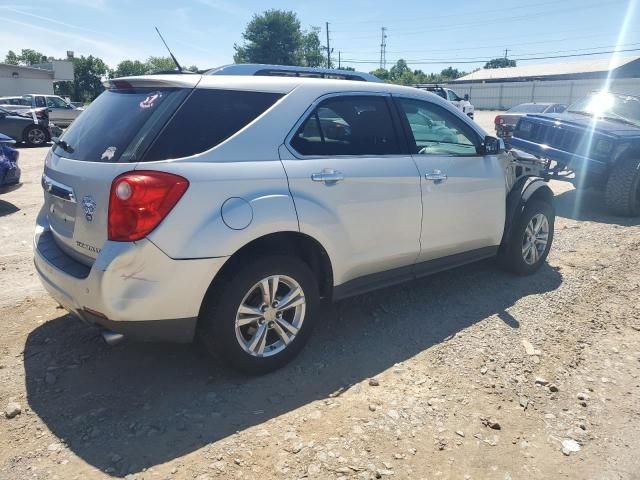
x: 133, y: 288
x: 580, y: 164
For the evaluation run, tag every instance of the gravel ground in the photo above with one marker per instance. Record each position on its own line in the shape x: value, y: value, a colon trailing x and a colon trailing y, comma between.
x: 471, y: 373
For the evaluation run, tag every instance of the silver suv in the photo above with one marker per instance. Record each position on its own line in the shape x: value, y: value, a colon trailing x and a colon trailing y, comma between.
x: 229, y: 206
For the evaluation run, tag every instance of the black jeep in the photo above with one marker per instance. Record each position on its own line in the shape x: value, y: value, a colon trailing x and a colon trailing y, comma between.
x: 594, y: 143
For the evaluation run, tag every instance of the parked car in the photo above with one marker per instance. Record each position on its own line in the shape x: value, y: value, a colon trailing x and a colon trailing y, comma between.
x: 463, y: 104
x: 160, y: 222
x: 263, y: 70
x: 506, y: 122
x: 9, y: 170
x: 61, y: 112
x: 594, y: 143
x: 29, y: 126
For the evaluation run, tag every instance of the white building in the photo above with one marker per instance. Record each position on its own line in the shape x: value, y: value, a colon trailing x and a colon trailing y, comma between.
x: 19, y: 80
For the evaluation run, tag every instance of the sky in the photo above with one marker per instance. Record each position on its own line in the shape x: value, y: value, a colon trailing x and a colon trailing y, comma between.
x: 430, y: 35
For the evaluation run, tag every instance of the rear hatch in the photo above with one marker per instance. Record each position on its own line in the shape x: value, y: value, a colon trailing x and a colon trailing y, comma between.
x: 107, y: 140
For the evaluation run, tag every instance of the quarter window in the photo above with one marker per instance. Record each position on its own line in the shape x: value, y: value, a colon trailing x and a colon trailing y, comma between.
x: 348, y: 125
x: 436, y: 131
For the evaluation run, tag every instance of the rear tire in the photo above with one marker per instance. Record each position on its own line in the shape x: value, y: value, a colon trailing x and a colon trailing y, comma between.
x: 35, y: 136
x: 530, y: 241
x: 233, y: 317
x: 622, y: 192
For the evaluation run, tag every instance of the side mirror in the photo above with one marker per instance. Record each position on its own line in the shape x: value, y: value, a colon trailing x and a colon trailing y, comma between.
x: 491, y: 146
x: 466, y: 97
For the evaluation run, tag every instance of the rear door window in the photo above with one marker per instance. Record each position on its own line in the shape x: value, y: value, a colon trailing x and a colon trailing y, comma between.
x: 207, y: 118
x: 348, y: 125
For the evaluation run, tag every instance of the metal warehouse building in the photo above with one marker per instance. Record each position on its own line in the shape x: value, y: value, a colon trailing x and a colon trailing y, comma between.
x: 19, y: 80
x: 503, y: 88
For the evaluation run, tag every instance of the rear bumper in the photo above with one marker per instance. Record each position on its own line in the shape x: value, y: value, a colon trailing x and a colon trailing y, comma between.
x: 133, y: 288
x: 581, y: 165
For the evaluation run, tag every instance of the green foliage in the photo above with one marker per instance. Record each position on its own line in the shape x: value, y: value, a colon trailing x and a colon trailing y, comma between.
x: 27, y: 57
x: 87, y: 84
x: 276, y: 37
x: 401, y: 74
x: 12, y: 58
x: 500, y: 63
x: 127, y: 68
x: 160, y: 64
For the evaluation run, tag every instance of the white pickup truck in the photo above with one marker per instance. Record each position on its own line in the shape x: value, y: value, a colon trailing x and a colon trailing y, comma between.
x: 463, y: 104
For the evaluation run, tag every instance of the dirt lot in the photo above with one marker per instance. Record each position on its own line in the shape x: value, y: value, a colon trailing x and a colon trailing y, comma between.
x: 472, y: 373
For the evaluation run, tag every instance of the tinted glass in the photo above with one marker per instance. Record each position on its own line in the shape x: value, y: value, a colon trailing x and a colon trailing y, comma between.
x: 106, y: 130
x: 207, y: 118
x: 40, y: 102
x: 349, y: 125
x: 436, y: 131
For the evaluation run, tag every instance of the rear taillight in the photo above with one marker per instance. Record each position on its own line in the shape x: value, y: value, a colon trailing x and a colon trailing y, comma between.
x: 499, y: 120
x: 140, y: 200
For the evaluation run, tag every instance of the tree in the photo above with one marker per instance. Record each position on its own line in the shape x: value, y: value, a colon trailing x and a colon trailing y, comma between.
x: 451, y: 73
x: 381, y: 73
x: 276, y: 37
x: 500, y: 63
x: 160, y: 64
x: 27, y: 57
x: 12, y: 58
x: 87, y: 84
x: 127, y: 68
x: 310, y: 48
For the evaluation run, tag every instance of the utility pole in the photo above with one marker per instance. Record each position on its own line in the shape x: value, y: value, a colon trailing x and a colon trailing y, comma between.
x: 328, y: 47
x: 383, y: 49
x: 339, y: 60
x: 506, y: 51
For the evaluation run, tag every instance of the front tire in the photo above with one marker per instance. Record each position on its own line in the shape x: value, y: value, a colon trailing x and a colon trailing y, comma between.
x: 35, y: 136
x: 531, y: 238
x: 261, y: 318
x: 622, y: 192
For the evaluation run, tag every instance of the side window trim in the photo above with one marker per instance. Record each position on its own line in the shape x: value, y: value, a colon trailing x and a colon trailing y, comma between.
x: 312, y: 109
x: 409, y: 133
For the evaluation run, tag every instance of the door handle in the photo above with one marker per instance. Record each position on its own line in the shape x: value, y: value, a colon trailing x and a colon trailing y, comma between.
x: 327, y: 176
x: 436, y: 176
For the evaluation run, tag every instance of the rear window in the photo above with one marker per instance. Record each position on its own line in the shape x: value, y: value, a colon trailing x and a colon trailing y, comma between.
x: 118, y: 123
x: 207, y: 118
x: 121, y: 125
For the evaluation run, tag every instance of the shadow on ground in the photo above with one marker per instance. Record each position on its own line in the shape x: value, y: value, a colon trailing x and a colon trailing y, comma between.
x: 152, y: 403
x: 7, y: 208
x: 589, y: 205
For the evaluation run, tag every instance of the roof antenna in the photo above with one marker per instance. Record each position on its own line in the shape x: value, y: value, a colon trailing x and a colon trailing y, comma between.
x: 169, y: 50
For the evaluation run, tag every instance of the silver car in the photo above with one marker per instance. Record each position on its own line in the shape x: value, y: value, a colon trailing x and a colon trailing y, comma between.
x: 229, y: 206
x: 60, y: 111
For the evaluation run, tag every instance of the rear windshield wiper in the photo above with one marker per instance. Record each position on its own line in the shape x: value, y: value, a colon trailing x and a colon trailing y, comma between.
x: 62, y: 144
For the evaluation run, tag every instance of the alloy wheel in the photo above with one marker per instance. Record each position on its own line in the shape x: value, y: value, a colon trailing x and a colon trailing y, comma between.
x: 536, y: 237
x: 270, y: 316
x: 36, y: 136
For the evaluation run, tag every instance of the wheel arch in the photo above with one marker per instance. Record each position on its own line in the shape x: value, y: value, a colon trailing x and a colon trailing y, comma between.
x: 303, y: 246
x: 523, y: 191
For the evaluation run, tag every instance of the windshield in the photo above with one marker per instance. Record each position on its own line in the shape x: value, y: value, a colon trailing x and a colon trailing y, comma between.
x: 611, y: 106
x: 528, y: 108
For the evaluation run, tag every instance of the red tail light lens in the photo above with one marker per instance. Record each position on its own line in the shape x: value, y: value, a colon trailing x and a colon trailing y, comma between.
x: 499, y: 120
x: 140, y: 200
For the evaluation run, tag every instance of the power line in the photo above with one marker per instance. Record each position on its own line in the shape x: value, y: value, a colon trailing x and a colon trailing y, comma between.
x: 521, y: 59
x: 405, y: 33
